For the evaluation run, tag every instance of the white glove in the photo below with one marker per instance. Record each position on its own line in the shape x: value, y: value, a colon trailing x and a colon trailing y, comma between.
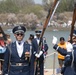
x: 40, y: 53
x: 69, y: 47
x: 54, y: 41
x: 37, y: 55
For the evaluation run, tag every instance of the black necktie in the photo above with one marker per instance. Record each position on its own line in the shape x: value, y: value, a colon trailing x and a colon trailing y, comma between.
x: 19, y: 43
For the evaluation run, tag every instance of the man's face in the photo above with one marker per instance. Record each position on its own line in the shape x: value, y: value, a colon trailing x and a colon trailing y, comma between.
x: 19, y: 36
x: 38, y: 35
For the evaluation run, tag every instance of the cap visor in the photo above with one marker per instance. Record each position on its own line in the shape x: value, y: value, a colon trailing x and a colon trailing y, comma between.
x: 19, y: 31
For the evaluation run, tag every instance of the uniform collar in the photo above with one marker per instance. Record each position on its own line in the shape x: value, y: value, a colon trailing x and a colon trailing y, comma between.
x: 20, y: 42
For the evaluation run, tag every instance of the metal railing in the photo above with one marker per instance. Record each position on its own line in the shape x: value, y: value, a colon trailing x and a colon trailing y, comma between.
x: 54, y: 60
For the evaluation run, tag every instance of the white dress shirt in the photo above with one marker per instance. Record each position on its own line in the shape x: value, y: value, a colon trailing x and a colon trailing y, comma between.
x: 20, y: 48
x: 38, y: 40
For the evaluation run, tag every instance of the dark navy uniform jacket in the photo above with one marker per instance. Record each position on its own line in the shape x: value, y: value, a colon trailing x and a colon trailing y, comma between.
x: 12, y: 58
x: 68, y: 58
x: 35, y: 50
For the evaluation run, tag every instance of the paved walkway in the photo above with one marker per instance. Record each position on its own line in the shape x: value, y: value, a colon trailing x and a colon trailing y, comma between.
x: 50, y: 72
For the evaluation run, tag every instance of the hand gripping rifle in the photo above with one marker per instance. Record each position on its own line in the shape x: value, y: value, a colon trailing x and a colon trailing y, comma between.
x: 73, y: 22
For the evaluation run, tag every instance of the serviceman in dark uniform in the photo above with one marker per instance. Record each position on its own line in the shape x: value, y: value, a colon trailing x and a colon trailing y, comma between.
x: 17, y: 55
x: 70, y: 56
x: 39, y: 58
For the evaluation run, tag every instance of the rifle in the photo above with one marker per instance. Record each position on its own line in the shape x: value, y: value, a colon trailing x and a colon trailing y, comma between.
x: 48, y: 18
x: 73, y: 22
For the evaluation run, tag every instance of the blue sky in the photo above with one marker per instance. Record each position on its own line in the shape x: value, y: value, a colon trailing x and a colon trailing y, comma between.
x: 38, y: 1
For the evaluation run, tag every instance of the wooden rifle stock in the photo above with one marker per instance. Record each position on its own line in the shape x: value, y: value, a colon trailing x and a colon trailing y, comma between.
x: 73, y: 22
x: 50, y: 15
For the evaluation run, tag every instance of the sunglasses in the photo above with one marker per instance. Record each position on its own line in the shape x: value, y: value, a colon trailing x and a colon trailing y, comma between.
x: 21, y: 34
x: 38, y: 31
